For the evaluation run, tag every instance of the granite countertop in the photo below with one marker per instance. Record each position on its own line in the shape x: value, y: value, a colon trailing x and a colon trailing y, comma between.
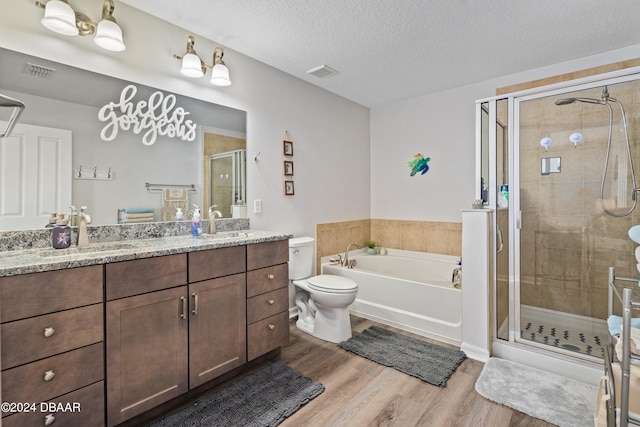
x: 45, y: 259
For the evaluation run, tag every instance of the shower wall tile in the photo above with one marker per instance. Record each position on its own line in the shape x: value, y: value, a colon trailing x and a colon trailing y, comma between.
x: 562, y: 211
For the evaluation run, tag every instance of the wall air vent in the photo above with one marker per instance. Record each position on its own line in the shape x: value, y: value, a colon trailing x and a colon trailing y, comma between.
x: 38, y: 70
x: 322, y: 71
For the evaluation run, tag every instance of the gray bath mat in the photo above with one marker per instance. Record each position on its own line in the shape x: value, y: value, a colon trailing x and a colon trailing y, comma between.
x: 264, y: 398
x: 421, y: 359
x: 549, y: 397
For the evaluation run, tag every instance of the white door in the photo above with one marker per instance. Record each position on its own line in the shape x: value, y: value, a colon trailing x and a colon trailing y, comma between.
x: 35, y: 176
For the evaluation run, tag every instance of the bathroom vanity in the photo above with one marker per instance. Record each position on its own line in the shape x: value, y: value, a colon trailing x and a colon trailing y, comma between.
x: 121, y: 328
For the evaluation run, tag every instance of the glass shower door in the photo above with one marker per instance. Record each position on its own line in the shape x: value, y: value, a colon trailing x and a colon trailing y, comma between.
x: 226, y: 178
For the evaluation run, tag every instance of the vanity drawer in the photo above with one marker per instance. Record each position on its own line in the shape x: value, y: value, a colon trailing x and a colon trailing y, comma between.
x: 269, y: 304
x: 81, y: 407
x: 71, y: 370
x: 128, y: 278
x: 267, y: 335
x: 209, y: 264
x: 34, y: 294
x: 35, y: 338
x: 267, y: 279
x: 261, y: 255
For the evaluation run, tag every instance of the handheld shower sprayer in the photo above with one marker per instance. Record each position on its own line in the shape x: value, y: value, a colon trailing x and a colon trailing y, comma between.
x: 606, y: 100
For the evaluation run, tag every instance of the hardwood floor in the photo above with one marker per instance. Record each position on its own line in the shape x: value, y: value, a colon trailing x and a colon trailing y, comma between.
x: 359, y: 392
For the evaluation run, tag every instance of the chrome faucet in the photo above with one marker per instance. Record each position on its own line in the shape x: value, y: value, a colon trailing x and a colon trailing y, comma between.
x: 83, y: 220
x: 213, y: 214
x: 345, y: 260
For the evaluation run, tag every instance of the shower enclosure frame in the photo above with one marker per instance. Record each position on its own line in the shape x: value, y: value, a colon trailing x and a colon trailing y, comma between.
x: 237, y: 177
x: 583, y: 367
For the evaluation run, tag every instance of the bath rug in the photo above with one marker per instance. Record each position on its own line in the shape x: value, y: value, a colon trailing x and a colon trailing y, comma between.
x: 264, y: 398
x: 421, y: 359
x: 549, y: 397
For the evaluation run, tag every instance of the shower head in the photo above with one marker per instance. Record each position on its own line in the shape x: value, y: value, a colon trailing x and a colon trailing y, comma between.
x: 566, y: 101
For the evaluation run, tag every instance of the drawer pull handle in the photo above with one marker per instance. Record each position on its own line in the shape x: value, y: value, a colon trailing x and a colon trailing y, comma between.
x: 195, y: 304
x: 183, y: 315
x: 272, y: 326
x: 49, y: 419
x: 271, y: 276
x: 271, y: 302
x: 49, y: 375
x: 48, y: 332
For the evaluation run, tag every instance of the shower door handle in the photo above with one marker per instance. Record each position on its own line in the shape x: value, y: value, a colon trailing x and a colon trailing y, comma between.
x: 500, y: 240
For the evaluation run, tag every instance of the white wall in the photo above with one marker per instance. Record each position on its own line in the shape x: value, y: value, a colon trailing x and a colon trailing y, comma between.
x: 330, y: 133
x: 350, y: 163
x: 442, y: 126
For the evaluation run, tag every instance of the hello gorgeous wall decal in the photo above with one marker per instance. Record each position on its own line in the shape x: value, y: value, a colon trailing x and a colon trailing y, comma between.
x: 154, y: 117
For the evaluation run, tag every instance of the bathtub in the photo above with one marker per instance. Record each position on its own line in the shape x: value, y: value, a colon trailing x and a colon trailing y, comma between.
x: 407, y: 290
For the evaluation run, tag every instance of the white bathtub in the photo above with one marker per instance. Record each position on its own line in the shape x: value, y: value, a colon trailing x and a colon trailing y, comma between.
x: 408, y: 290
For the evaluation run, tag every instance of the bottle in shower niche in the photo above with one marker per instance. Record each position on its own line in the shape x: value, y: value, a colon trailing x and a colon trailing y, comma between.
x: 61, y: 233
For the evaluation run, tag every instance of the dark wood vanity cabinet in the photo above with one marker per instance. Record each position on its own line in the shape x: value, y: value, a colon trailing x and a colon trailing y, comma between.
x: 147, y: 333
x: 217, y: 313
x: 161, y: 326
x: 52, y: 346
x: 175, y: 335
x: 267, y: 297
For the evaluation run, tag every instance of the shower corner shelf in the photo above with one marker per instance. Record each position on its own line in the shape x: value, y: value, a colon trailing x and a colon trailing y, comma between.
x: 618, y: 407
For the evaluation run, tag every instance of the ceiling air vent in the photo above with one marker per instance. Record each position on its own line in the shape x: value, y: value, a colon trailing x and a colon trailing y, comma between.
x: 38, y: 70
x: 322, y: 71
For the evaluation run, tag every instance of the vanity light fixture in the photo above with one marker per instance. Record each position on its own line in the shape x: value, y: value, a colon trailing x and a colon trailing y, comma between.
x: 193, y: 66
x: 62, y: 19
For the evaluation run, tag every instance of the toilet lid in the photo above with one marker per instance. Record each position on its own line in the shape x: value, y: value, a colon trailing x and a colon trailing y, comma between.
x: 330, y: 283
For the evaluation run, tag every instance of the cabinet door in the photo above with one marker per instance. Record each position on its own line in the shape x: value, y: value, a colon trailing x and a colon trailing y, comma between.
x: 147, y: 337
x: 217, y: 341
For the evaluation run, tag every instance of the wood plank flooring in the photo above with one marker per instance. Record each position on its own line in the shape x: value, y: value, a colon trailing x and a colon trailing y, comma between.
x: 359, y: 392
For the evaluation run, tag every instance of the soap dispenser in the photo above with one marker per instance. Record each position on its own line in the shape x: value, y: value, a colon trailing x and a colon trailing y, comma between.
x: 61, y: 234
x: 179, y: 215
x: 196, y: 222
x: 52, y: 220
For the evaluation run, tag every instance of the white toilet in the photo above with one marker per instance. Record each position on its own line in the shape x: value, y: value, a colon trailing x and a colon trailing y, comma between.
x: 323, y: 301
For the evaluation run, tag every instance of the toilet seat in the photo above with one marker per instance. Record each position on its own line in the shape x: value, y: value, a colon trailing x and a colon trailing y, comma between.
x: 332, y: 284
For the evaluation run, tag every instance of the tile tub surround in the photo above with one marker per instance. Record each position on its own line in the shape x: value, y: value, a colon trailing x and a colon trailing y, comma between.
x: 47, y: 259
x: 421, y: 236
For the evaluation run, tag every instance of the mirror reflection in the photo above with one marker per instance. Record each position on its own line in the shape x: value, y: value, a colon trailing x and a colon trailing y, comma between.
x: 55, y: 157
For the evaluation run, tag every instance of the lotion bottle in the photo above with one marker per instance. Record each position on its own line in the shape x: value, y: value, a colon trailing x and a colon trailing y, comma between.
x: 196, y: 222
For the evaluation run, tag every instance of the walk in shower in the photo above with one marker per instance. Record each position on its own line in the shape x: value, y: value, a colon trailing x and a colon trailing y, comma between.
x: 227, y: 180
x: 565, y: 159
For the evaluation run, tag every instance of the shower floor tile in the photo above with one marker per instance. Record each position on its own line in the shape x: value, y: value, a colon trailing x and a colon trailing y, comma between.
x: 585, y: 337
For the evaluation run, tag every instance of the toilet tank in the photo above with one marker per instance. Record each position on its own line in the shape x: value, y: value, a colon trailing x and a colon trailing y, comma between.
x: 301, y: 250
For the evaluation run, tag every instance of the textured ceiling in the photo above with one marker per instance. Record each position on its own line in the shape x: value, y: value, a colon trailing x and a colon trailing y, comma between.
x: 389, y: 50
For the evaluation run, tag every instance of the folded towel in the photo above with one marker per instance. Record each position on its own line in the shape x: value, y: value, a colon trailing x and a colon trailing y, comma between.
x: 615, y: 324
x: 138, y: 210
x: 131, y: 216
x: 138, y: 220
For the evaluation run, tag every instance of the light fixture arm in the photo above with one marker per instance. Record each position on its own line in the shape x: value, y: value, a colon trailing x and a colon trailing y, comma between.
x: 218, y: 53
x: 191, y: 41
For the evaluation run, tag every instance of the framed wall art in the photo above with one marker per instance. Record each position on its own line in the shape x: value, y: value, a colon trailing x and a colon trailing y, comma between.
x: 288, y: 148
x: 288, y: 188
x: 288, y: 168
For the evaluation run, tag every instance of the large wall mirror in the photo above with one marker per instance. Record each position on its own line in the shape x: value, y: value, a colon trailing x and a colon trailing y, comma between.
x: 146, y: 182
